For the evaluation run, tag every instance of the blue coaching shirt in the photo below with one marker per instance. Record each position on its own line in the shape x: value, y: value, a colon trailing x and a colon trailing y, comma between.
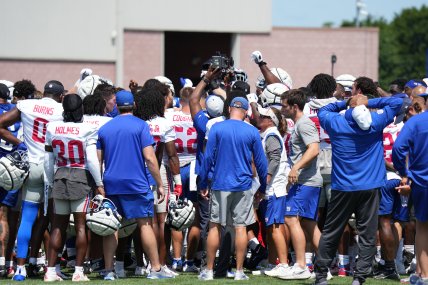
x: 200, y: 123
x: 122, y: 140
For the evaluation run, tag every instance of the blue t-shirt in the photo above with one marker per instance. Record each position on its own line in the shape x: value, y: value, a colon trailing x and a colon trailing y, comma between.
x: 232, y: 146
x: 200, y: 123
x: 6, y: 147
x: 122, y: 140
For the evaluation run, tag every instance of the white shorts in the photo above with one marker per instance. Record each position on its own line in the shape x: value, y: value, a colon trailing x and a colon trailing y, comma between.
x: 33, y: 189
x: 67, y: 207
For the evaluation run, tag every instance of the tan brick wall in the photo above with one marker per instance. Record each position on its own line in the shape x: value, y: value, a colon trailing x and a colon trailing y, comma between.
x: 305, y: 52
x: 40, y: 72
x: 143, y: 55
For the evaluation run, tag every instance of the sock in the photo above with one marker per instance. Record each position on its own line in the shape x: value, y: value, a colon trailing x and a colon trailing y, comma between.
x: 33, y: 260
x: 119, y: 265
x: 78, y: 269
x: 2, y: 261
x: 252, y: 244
x: 28, y: 217
x: 51, y: 271
x: 308, y: 258
x: 21, y: 269
x: 343, y: 260
x: 41, y: 260
x: 409, y: 248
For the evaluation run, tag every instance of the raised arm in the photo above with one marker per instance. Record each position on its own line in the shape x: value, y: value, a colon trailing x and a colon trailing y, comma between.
x: 195, y: 97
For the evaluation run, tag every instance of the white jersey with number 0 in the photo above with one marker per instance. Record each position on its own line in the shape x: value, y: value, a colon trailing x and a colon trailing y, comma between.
x: 186, y: 135
x: 35, y: 115
x: 161, y: 130
x: 69, y: 141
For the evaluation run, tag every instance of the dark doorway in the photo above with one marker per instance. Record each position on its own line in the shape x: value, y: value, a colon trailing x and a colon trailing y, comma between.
x: 185, y: 53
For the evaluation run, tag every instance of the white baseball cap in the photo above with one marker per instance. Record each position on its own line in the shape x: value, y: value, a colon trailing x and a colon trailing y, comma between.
x: 267, y: 112
x: 214, y: 105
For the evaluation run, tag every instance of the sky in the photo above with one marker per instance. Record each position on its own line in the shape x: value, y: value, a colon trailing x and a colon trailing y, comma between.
x: 314, y: 13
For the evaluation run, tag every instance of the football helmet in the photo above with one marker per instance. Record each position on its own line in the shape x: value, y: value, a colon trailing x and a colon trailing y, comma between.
x: 272, y: 94
x: 240, y: 75
x: 14, y: 169
x: 180, y: 215
x: 89, y: 83
x: 167, y: 82
x: 261, y: 82
x: 282, y: 75
x: 127, y: 227
x: 103, y: 218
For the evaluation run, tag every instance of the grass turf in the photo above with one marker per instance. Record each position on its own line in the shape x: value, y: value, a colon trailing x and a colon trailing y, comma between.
x: 189, y: 278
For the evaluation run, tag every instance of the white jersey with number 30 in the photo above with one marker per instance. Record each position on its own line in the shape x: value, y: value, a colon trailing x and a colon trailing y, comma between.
x: 69, y: 141
x: 35, y: 115
x: 186, y: 136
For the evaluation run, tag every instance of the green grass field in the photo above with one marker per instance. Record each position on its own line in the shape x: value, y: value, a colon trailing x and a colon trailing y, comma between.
x: 189, y: 278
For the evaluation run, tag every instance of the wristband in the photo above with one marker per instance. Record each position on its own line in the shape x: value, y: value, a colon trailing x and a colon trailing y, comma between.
x: 262, y: 63
x: 206, y: 80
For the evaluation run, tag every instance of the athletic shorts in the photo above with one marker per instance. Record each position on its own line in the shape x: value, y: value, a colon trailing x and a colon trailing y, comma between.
x: 33, y: 189
x: 134, y: 206
x: 419, y: 196
x: 388, y: 197
x: 167, y: 185
x: 272, y: 209
x: 232, y: 208
x: 9, y: 198
x: 185, y: 180
x: 67, y: 207
x: 302, y: 201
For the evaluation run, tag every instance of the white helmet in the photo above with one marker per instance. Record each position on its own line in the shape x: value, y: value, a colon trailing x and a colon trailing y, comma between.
x: 127, y: 227
x: 282, y: 75
x: 14, y: 170
x: 346, y: 80
x: 272, y: 94
x: 103, y: 218
x: 214, y: 104
x: 180, y: 215
x: 240, y: 75
x: 89, y: 83
x: 167, y: 82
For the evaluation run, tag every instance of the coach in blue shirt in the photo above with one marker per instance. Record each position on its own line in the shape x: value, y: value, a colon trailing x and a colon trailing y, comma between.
x: 232, y: 146
x: 358, y: 171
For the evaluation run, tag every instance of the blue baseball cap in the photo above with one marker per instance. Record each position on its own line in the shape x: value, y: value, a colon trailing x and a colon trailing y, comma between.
x: 239, y: 102
x: 423, y: 95
x: 124, y: 98
x: 414, y: 83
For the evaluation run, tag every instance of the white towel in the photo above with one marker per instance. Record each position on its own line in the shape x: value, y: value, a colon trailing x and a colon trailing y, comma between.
x: 193, y: 176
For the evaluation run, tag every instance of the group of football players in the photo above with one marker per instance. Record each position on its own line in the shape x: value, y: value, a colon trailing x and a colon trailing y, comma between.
x: 61, y: 215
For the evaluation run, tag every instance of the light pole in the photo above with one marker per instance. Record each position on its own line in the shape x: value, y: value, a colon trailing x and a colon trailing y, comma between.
x: 361, y: 11
x: 333, y: 61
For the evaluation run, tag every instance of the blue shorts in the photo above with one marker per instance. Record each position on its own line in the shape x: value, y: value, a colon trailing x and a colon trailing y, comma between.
x: 388, y: 196
x: 419, y: 197
x: 132, y: 206
x: 302, y: 201
x: 273, y: 210
x: 185, y: 180
x: 9, y: 198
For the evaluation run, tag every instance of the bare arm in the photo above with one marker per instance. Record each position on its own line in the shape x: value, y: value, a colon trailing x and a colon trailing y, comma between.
x: 310, y: 153
x: 152, y: 164
x: 268, y: 75
x: 195, y: 97
x: 7, y: 119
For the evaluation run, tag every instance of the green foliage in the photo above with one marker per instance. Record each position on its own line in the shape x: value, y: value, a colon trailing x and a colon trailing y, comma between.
x: 402, y: 44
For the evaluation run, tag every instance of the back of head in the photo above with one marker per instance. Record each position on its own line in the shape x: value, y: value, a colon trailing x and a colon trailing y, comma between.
x: 149, y: 103
x: 73, y: 108
x: 397, y: 86
x: 54, y: 88
x: 166, y: 81
x: 322, y: 86
x: 295, y: 97
x: 185, y: 94
x: 214, y: 105
x: 367, y: 86
x: 94, y: 105
x: 104, y: 90
x: 24, y: 88
x: 151, y: 83
x: 241, y: 85
x: 4, y: 92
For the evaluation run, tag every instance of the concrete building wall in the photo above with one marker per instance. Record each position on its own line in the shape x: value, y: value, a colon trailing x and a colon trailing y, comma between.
x: 305, y: 52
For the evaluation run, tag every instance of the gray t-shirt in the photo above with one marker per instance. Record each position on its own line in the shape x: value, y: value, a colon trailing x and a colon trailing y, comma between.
x: 305, y: 133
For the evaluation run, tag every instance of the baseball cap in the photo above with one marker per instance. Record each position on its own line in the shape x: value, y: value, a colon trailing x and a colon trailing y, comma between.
x: 267, y: 112
x: 413, y: 83
x: 54, y: 87
x: 239, y: 102
x: 423, y: 95
x: 402, y: 113
x: 241, y: 85
x: 346, y: 80
x: 124, y: 98
x: 4, y: 91
x: 214, y: 105
x: 72, y: 102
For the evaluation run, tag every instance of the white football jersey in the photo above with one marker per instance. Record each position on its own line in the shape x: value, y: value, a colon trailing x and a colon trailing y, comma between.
x: 35, y: 115
x: 96, y: 120
x: 69, y: 141
x: 186, y: 135
x: 161, y: 130
x: 390, y: 134
x: 312, y: 114
x: 211, y: 123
